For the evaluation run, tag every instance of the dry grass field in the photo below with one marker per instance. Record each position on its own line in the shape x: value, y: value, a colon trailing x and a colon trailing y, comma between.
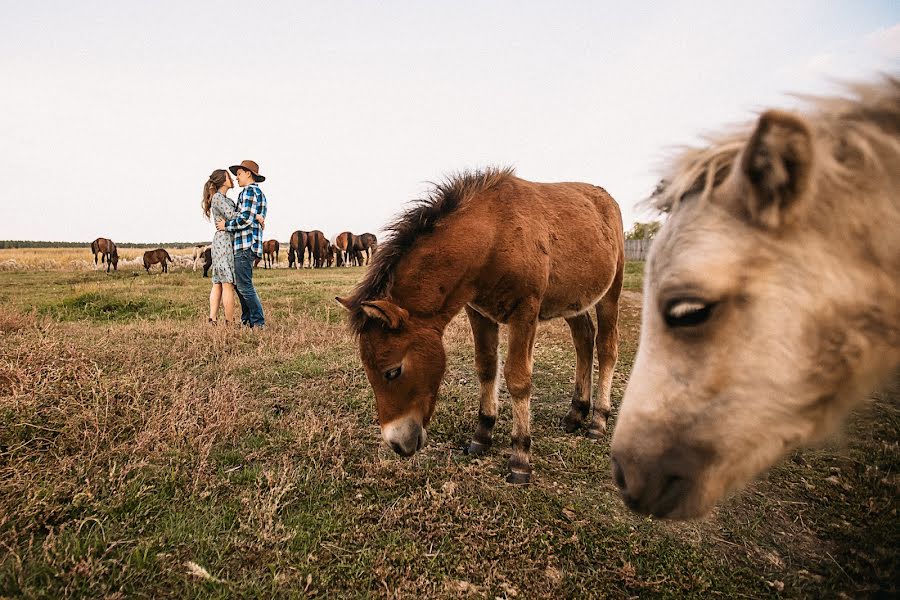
x: 145, y: 454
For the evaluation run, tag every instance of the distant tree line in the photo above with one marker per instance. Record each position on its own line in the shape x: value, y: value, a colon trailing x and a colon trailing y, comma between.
x: 643, y: 231
x: 33, y: 244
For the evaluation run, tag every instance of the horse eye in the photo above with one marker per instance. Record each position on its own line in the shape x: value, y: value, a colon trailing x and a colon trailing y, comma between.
x: 392, y: 374
x: 687, y: 312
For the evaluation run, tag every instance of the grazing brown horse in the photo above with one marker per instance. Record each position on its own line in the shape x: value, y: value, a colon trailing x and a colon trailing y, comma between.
x: 270, y: 253
x: 329, y: 254
x: 344, y: 245
x: 771, y: 300
x: 151, y: 257
x: 108, y: 252
x: 297, y: 249
x: 520, y: 273
x: 366, y: 243
x: 317, y: 244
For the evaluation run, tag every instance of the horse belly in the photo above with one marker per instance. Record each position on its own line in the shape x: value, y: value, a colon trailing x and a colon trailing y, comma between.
x: 574, y: 291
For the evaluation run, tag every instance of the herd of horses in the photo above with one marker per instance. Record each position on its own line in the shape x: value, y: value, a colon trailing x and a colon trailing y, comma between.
x: 106, y: 251
x: 347, y: 249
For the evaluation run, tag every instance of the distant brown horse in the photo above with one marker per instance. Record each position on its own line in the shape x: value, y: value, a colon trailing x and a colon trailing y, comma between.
x: 329, y: 255
x: 151, y: 257
x: 317, y: 244
x: 771, y: 300
x: 108, y: 252
x: 366, y: 243
x: 270, y: 253
x: 297, y: 249
x: 520, y: 273
x: 344, y: 244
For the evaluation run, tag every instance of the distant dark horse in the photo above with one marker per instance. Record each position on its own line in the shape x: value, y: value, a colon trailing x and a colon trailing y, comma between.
x: 270, y: 253
x: 297, y: 249
x: 151, y: 257
x: 317, y: 244
x: 367, y: 243
x: 107, y: 251
x: 207, y: 261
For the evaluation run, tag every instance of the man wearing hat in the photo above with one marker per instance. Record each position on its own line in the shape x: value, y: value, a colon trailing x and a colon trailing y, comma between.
x: 247, y: 239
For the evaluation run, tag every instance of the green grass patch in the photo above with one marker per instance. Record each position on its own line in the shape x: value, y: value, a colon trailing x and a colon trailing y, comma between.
x: 96, y: 306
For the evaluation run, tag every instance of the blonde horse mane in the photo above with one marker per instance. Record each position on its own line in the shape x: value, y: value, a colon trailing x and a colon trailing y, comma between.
x: 847, y: 129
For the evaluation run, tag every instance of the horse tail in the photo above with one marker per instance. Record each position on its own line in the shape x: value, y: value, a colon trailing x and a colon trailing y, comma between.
x: 169, y: 258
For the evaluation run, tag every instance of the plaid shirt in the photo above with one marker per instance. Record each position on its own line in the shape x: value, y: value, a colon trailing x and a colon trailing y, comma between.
x: 247, y: 233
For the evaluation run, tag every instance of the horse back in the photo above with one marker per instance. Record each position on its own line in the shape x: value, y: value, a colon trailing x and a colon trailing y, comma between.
x: 560, y: 243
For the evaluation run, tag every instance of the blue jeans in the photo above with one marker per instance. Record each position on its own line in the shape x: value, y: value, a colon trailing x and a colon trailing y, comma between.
x: 251, y: 307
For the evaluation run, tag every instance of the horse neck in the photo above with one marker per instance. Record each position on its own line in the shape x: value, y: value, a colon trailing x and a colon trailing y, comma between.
x: 436, y: 279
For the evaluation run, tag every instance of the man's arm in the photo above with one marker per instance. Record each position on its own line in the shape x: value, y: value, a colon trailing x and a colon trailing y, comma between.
x: 245, y: 218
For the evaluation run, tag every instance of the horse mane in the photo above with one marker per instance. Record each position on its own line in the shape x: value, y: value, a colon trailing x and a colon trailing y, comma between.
x: 846, y: 129
x: 413, y: 224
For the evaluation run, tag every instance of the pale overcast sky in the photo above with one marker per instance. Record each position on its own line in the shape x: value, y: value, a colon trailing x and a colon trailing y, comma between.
x: 113, y: 113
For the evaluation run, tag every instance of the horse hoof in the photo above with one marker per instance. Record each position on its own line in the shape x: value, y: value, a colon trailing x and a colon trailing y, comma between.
x: 518, y: 478
x: 477, y: 448
x: 570, y: 426
x: 595, y: 433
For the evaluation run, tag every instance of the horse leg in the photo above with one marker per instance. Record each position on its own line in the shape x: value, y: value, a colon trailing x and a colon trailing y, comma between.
x: 607, y: 355
x: 487, y: 338
x: 517, y: 371
x: 583, y: 336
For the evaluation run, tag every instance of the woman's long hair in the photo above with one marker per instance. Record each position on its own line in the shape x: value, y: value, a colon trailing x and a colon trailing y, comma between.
x: 215, y: 181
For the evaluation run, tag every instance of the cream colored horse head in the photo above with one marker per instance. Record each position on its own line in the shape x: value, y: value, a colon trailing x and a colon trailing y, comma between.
x: 771, y: 301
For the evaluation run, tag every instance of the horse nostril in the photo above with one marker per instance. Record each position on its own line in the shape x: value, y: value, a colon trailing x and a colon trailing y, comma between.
x: 618, y: 475
x: 397, y: 448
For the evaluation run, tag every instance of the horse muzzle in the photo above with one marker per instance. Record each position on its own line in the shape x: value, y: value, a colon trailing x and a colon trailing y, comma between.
x: 665, y: 486
x: 404, y: 436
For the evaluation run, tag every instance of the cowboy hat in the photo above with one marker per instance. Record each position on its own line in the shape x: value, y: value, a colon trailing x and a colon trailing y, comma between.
x: 250, y: 166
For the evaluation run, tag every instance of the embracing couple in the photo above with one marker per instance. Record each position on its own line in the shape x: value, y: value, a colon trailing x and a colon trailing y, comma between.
x: 237, y: 243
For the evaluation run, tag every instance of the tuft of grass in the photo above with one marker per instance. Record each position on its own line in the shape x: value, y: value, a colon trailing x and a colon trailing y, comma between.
x: 634, y: 275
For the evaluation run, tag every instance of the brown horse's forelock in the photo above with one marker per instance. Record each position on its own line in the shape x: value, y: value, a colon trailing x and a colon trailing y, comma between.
x: 843, y: 125
x: 418, y: 221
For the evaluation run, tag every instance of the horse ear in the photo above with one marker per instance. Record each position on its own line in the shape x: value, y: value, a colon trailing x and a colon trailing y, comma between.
x: 776, y: 163
x: 385, y: 310
x: 345, y: 302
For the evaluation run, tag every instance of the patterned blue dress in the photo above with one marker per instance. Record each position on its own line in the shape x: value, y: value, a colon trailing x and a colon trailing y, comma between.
x: 222, y: 207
